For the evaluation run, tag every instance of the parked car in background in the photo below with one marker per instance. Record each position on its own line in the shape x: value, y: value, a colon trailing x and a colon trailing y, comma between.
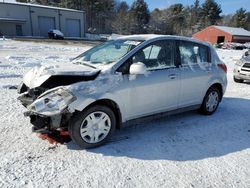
x: 242, y: 68
x: 238, y: 46
x: 247, y: 45
x: 122, y: 80
x: 231, y: 45
x: 55, y: 34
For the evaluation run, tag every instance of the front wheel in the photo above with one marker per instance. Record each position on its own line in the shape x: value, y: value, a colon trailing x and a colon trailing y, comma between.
x: 210, y: 101
x: 93, y: 127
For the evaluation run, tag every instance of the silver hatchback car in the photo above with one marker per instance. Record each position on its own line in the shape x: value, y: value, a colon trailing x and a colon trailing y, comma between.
x: 122, y: 80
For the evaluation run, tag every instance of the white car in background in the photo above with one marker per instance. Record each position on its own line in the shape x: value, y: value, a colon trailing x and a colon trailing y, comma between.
x: 242, y: 68
x: 122, y: 80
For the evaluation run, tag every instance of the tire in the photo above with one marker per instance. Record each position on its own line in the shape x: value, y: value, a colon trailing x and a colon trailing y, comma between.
x: 211, y: 101
x: 92, y: 127
x: 238, y: 80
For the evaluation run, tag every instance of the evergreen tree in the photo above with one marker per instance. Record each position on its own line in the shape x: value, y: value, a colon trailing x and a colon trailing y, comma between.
x: 211, y: 12
x: 120, y: 24
x: 240, y: 18
x: 177, y: 18
x: 159, y: 22
x: 195, y: 16
x: 248, y: 22
x: 139, y: 17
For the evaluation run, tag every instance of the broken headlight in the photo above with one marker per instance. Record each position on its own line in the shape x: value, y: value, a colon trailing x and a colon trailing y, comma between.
x: 52, y: 103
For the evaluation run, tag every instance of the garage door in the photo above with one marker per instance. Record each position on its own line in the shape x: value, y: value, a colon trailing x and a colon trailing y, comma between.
x: 73, y: 28
x: 45, y: 24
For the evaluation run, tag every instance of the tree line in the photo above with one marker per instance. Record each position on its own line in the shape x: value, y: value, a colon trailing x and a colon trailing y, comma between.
x: 114, y: 16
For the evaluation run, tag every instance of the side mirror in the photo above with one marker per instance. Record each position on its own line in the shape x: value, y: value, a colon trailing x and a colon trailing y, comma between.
x: 138, y: 68
x: 246, y: 53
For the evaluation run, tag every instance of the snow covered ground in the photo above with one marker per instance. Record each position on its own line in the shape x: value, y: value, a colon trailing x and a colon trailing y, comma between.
x: 186, y: 150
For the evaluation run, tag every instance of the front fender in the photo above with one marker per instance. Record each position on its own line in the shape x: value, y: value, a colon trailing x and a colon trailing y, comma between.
x: 81, y: 103
x: 106, y: 87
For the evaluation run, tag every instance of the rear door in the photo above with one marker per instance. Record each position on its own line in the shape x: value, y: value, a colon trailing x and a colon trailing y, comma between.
x: 195, y: 72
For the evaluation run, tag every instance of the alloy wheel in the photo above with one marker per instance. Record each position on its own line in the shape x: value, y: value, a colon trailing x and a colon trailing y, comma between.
x: 212, y: 101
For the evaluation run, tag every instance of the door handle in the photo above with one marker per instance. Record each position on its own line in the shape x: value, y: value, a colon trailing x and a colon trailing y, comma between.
x: 172, y: 76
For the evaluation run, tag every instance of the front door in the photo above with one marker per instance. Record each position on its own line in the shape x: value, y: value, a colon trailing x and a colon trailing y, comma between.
x: 158, y: 89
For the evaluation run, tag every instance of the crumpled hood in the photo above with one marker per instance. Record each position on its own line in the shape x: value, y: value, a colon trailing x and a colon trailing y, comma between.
x: 38, y: 75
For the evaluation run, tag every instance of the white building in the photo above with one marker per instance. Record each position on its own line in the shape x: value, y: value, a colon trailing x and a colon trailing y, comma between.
x: 22, y: 19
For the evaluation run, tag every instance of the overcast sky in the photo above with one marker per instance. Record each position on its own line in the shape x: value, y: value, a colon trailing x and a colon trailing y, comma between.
x: 227, y: 6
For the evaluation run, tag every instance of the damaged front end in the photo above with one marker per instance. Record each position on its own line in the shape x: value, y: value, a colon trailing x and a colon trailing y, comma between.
x: 48, y: 111
x: 47, y: 102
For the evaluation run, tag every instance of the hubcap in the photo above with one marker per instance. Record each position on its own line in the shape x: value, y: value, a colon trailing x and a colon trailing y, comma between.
x: 212, y: 101
x: 95, y: 127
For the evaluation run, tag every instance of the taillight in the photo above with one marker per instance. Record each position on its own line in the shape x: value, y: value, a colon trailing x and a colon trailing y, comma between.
x: 223, y: 67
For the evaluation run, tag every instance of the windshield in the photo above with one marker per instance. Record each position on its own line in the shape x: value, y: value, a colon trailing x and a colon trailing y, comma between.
x: 107, y: 52
x: 246, y: 57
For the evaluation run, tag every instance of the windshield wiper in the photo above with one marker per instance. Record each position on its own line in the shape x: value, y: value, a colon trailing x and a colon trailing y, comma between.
x: 86, y: 64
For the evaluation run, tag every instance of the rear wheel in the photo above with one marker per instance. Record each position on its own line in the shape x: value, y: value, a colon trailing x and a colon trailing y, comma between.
x: 210, y: 101
x: 93, y: 127
x: 238, y: 80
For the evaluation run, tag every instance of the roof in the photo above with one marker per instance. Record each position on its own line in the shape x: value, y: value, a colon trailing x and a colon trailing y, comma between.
x: 141, y: 37
x: 146, y: 37
x: 234, y: 30
x: 41, y: 6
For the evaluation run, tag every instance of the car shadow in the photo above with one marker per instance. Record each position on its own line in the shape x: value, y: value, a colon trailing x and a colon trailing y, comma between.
x: 184, y: 137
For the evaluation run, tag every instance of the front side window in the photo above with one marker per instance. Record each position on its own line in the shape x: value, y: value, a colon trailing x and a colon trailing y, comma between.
x: 158, y: 55
x: 192, y: 53
x: 107, y: 52
x: 152, y: 51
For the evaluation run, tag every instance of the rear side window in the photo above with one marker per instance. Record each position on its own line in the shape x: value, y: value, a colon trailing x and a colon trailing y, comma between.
x: 192, y: 53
